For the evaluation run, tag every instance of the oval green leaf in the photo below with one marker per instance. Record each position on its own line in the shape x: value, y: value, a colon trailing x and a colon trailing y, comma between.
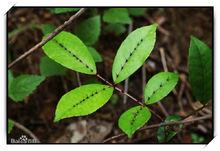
x: 89, y: 30
x: 133, y: 52
x: 24, y: 85
x: 60, y: 10
x: 159, y: 86
x: 82, y: 101
x: 69, y: 51
x: 133, y: 119
x: 200, y: 70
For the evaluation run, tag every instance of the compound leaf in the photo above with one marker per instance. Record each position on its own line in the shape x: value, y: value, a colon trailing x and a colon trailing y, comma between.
x: 133, y: 52
x: 48, y: 67
x: 166, y: 133
x: 133, y: 119
x: 10, y: 126
x: 117, y: 15
x: 69, y: 51
x: 82, y: 101
x: 60, y: 10
x: 89, y: 30
x: 159, y: 86
x: 24, y: 85
x: 200, y: 70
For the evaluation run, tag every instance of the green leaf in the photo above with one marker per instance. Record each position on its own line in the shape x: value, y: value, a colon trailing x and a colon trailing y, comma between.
x: 117, y: 15
x: 47, y: 28
x: 60, y: 10
x: 10, y: 78
x: 133, y: 52
x: 200, y: 70
x: 136, y: 11
x: 69, y: 51
x: 49, y: 67
x: 82, y: 101
x: 117, y: 29
x: 159, y: 86
x: 10, y: 126
x: 196, y: 138
x: 96, y: 56
x: 166, y: 133
x: 133, y: 119
x: 89, y: 30
x: 24, y: 85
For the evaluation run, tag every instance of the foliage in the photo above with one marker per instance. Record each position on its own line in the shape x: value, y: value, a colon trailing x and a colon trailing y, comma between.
x: 166, y: 133
x: 137, y: 11
x: 196, y: 138
x: 83, y: 101
x: 89, y: 30
x: 10, y: 126
x: 159, y: 86
x: 117, y: 15
x: 117, y: 29
x: 96, y: 56
x: 47, y: 28
x: 133, y: 119
x: 68, y: 50
x: 61, y: 10
x: 49, y: 67
x: 200, y: 70
x: 24, y: 85
x: 133, y: 52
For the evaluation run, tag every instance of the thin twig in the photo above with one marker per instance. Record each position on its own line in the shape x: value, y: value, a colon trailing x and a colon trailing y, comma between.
x: 26, y: 130
x: 161, y: 124
x: 143, y: 79
x: 163, y: 60
x: 49, y: 37
x: 196, y: 111
x: 78, y: 79
x: 128, y: 95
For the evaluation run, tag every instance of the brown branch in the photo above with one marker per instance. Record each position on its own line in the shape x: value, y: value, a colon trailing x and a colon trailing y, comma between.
x: 128, y: 95
x: 161, y: 124
x: 195, y: 111
x: 49, y: 37
x: 26, y: 130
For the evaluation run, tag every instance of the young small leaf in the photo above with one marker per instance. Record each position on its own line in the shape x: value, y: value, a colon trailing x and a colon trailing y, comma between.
x: 49, y: 67
x: 60, y: 10
x: 164, y: 133
x: 117, y: 15
x: 82, y: 101
x: 24, y: 85
x: 10, y: 126
x: 200, y: 70
x: 136, y: 11
x: 89, y: 30
x: 69, y: 51
x: 159, y: 86
x: 96, y: 56
x: 133, y: 51
x: 133, y: 119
